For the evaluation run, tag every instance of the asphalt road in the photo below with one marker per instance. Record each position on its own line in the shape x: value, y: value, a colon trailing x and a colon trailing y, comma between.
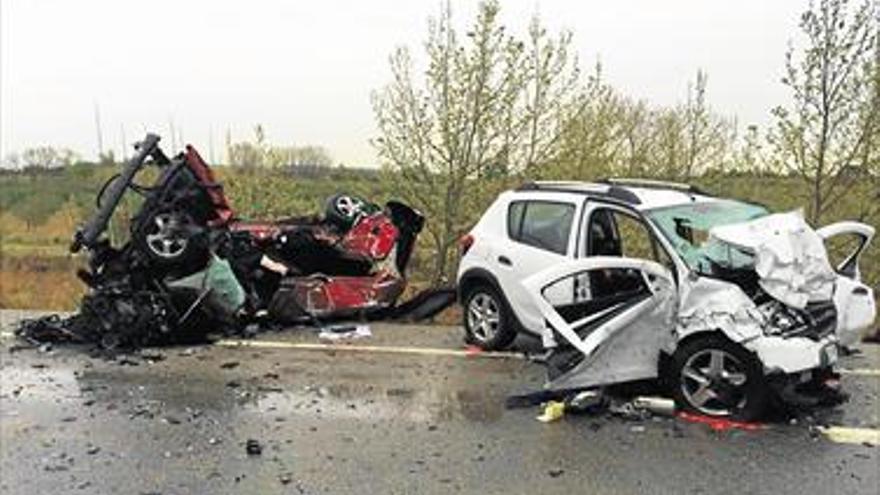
x: 176, y: 421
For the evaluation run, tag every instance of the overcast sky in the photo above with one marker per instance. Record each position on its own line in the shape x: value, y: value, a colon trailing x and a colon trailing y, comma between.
x: 305, y: 69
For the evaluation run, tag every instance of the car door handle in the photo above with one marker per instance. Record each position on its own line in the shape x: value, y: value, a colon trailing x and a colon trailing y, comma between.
x: 504, y: 260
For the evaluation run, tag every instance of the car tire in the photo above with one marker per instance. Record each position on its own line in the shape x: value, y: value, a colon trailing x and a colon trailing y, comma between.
x: 166, y: 240
x: 713, y: 376
x: 487, y: 319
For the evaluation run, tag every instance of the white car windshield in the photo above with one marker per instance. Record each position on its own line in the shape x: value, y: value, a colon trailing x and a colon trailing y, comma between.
x: 687, y: 229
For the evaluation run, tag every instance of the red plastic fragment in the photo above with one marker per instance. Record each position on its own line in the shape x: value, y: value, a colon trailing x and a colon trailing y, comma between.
x: 720, y: 424
x: 473, y: 350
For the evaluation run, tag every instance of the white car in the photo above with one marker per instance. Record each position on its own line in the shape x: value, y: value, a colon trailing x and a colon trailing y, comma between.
x: 631, y: 279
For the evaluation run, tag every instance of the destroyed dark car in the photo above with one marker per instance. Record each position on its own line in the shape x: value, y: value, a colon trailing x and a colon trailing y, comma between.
x: 639, y: 280
x: 190, y: 263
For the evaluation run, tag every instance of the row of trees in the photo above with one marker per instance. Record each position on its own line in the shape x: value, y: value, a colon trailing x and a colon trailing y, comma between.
x: 41, y: 157
x: 258, y: 153
x: 491, y: 108
x: 247, y: 154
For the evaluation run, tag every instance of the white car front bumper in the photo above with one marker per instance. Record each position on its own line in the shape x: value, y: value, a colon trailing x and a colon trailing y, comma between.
x: 794, y: 354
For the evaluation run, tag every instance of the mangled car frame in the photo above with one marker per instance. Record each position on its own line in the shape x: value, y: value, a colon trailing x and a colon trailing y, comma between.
x: 632, y: 280
x: 190, y: 263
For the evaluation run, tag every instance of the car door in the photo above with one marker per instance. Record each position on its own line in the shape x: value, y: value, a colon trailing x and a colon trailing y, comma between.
x: 854, y: 300
x: 539, y: 234
x: 847, y: 241
x: 607, y: 338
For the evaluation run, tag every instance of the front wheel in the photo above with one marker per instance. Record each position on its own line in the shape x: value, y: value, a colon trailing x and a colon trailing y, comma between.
x: 170, y: 238
x: 716, y: 377
x: 487, y: 319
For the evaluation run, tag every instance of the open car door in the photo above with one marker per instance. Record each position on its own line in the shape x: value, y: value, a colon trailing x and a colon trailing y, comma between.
x: 616, y: 331
x: 854, y: 300
x: 863, y: 233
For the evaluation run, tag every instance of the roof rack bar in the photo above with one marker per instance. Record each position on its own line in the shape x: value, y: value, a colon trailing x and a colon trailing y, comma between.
x: 613, y: 191
x: 654, y: 184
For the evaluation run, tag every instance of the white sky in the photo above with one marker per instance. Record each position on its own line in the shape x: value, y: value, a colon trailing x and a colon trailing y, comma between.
x: 305, y: 69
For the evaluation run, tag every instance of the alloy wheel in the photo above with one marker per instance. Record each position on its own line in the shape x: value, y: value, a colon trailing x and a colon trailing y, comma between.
x: 166, y: 239
x: 714, y: 381
x: 484, y: 318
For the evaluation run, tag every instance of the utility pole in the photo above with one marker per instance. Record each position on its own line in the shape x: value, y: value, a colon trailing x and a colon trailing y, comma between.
x: 173, y: 134
x: 211, y: 144
x: 124, y: 144
x: 99, y: 131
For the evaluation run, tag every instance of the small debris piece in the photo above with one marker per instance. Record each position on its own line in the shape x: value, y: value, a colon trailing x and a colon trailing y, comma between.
x: 285, y: 479
x: 345, y: 332
x: 555, y: 473
x: 253, y: 447
x: 586, y: 402
x: 94, y: 449
x: 229, y: 365
x: 720, y: 424
x: 473, y: 350
x: 553, y: 411
x: 655, y: 405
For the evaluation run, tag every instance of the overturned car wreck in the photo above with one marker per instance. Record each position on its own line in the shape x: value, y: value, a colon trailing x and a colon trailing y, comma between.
x: 191, y: 266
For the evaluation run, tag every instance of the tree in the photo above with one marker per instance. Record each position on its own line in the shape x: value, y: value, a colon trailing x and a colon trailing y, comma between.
x: 828, y: 131
x: 490, y: 105
x: 592, y: 141
x: 247, y: 154
x: 260, y: 154
x: 750, y: 154
x: 46, y: 157
x: 707, y: 134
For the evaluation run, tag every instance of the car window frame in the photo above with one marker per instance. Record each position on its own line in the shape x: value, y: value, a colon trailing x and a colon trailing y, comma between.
x: 526, y: 202
x: 592, y: 205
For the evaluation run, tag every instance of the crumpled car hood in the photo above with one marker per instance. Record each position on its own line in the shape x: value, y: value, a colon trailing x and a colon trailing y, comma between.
x: 790, y: 257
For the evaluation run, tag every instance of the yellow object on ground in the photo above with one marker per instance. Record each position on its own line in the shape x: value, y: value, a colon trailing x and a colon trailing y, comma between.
x: 552, y: 411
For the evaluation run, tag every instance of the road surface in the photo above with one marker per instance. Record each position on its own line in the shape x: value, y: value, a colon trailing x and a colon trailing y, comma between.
x: 412, y: 419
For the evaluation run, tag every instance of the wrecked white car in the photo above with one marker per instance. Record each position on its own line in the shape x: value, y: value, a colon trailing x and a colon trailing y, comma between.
x: 633, y: 280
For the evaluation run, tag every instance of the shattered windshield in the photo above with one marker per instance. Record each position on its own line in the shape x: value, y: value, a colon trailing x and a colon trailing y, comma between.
x: 687, y: 229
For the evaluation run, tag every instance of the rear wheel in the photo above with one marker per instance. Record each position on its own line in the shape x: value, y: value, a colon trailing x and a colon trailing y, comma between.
x: 487, y: 319
x: 716, y: 377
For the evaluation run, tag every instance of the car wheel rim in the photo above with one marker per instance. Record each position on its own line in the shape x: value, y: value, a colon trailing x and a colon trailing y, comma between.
x: 165, y: 239
x: 713, y: 381
x: 348, y: 206
x: 484, y: 317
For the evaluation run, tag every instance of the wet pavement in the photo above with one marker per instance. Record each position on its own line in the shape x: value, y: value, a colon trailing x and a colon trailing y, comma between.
x: 178, y: 421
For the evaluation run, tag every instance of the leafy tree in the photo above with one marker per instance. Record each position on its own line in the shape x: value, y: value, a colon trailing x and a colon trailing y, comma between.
x: 707, y: 135
x: 827, y: 134
x: 592, y: 141
x: 489, y: 105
